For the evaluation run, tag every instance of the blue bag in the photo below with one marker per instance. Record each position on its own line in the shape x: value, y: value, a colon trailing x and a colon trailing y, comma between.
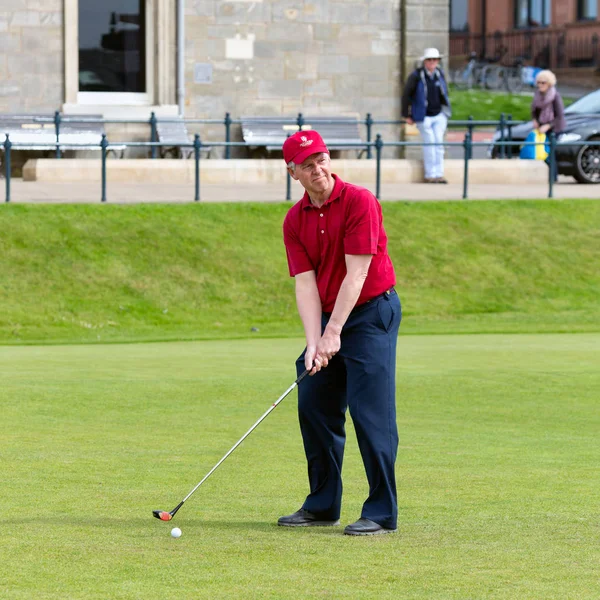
x: 536, y: 152
x: 528, y: 152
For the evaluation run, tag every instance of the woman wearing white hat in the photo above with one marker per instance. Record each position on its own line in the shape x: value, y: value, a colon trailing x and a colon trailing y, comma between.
x: 426, y: 103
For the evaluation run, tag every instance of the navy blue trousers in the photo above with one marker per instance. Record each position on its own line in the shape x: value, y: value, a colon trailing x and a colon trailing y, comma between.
x: 361, y: 377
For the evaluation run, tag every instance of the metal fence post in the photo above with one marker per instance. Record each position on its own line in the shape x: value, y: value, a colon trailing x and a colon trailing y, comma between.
x: 468, y: 149
x: 369, y: 124
x: 378, y: 147
x: 57, y: 120
x: 103, y: 146
x: 470, y: 128
x: 502, y: 125
x: 509, y: 126
x: 153, y: 134
x: 197, y: 146
x: 7, y: 147
x: 288, y: 182
x: 227, y: 134
x: 552, y: 164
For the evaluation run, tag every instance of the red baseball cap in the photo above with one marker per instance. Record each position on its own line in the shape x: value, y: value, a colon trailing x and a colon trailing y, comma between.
x: 301, y: 145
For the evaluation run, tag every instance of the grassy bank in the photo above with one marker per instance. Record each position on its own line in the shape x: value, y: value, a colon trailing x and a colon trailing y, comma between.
x: 130, y: 273
x: 484, y: 105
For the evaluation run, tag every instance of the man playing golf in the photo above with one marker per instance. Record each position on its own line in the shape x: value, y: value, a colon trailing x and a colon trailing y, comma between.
x: 337, y: 252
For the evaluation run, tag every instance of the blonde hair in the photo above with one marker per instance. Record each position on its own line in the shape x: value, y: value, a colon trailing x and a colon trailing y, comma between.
x: 547, y: 75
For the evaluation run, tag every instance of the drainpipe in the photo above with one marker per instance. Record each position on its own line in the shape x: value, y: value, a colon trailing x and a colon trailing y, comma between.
x: 181, y: 56
x: 483, y: 27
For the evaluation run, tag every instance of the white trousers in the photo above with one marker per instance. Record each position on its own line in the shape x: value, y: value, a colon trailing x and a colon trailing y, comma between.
x: 432, y: 130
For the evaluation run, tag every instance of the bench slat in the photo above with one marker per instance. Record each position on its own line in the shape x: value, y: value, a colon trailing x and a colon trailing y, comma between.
x: 271, y: 132
x: 175, y: 132
x: 34, y: 129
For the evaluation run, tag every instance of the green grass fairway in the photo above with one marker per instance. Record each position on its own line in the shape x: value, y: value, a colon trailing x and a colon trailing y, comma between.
x: 498, y: 474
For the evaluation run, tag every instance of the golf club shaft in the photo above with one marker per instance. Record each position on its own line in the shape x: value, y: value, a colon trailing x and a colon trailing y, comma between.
x: 271, y: 408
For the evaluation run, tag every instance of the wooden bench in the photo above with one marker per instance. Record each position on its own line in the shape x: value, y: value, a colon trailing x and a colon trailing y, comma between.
x: 35, y: 132
x: 174, y: 131
x: 89, y: 130
x: 269, y: 133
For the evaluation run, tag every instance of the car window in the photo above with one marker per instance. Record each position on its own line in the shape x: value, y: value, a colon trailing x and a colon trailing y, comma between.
x: 590, y: 103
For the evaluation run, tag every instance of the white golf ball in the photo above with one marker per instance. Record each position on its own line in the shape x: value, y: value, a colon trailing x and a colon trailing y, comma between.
x: 175, y: 532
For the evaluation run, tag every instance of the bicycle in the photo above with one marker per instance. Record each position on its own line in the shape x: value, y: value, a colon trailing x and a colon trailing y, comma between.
x: 484, y: 73
x: 465, y: 78
x: 513, y: 77
x: 494, y: 77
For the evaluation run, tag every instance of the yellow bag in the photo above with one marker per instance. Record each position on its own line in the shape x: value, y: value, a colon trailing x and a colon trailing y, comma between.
x: 540, y: 147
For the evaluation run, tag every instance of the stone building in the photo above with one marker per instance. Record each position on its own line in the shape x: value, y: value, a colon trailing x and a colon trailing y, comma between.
x: 126, y: 58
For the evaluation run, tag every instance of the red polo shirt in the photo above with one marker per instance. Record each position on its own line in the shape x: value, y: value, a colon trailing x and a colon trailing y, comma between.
x: 317, y: 239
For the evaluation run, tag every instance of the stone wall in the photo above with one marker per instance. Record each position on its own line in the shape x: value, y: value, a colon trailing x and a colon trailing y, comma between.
x: 281, y: 57
x: 425, y: 26
x: 31, y: 55
x: 270, y: 173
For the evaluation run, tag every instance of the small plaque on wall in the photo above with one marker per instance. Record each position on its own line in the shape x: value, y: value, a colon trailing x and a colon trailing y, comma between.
x: 203, y: 73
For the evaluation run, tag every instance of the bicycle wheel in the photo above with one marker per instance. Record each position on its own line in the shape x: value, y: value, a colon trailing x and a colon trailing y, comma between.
x: 514, y: 80
x: 472, y: 80
x: 459, y: 78
x: 477, y: 77
x: 494, y: 77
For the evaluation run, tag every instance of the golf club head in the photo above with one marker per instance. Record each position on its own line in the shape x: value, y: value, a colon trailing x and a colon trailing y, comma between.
x: 163, y: 515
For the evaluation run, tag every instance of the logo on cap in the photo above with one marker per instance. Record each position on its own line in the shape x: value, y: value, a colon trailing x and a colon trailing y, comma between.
x: 301, y: 145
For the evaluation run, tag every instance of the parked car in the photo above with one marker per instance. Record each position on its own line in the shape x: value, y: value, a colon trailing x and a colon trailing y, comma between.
x: 583, y: 124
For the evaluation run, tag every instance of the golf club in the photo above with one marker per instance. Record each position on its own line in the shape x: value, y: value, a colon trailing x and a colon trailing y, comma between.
x: 163, y: 515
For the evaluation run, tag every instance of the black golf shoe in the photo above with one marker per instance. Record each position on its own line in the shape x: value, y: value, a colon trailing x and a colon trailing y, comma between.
x: 367, y: 527
x: 303, y: 518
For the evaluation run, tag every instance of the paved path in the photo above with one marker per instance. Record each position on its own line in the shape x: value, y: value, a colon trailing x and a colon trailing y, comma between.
x: 47, y: 193
x: 458, y: 135
x: 479, y: 135
x: 572, y: 90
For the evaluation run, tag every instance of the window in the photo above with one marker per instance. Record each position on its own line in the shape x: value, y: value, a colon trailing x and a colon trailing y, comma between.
x: 587, y: 10
x: 112, y: 46
x: 459, y: 15
x: 119, y: 54
x: 533, y: 13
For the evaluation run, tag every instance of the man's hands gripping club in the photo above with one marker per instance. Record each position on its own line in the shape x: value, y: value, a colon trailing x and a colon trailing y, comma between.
x: 327, y: 347
x: 320, y: 349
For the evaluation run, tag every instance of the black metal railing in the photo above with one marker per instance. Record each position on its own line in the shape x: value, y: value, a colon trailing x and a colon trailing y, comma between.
x: 548, y: 48
x: 228, y: 122
x: 467, y: 145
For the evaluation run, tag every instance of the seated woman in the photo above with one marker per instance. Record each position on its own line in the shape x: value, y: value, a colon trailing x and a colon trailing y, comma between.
x: 547, y: 108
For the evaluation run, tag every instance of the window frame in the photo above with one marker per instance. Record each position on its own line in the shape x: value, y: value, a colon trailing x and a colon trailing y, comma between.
x: 72, y: 93
x: 466, y: 27
x: 529, y: 7
x: 580, y: 9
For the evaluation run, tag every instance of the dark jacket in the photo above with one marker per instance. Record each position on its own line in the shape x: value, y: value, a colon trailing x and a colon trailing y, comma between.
x: 415, y: 95
x: 559, y: 124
